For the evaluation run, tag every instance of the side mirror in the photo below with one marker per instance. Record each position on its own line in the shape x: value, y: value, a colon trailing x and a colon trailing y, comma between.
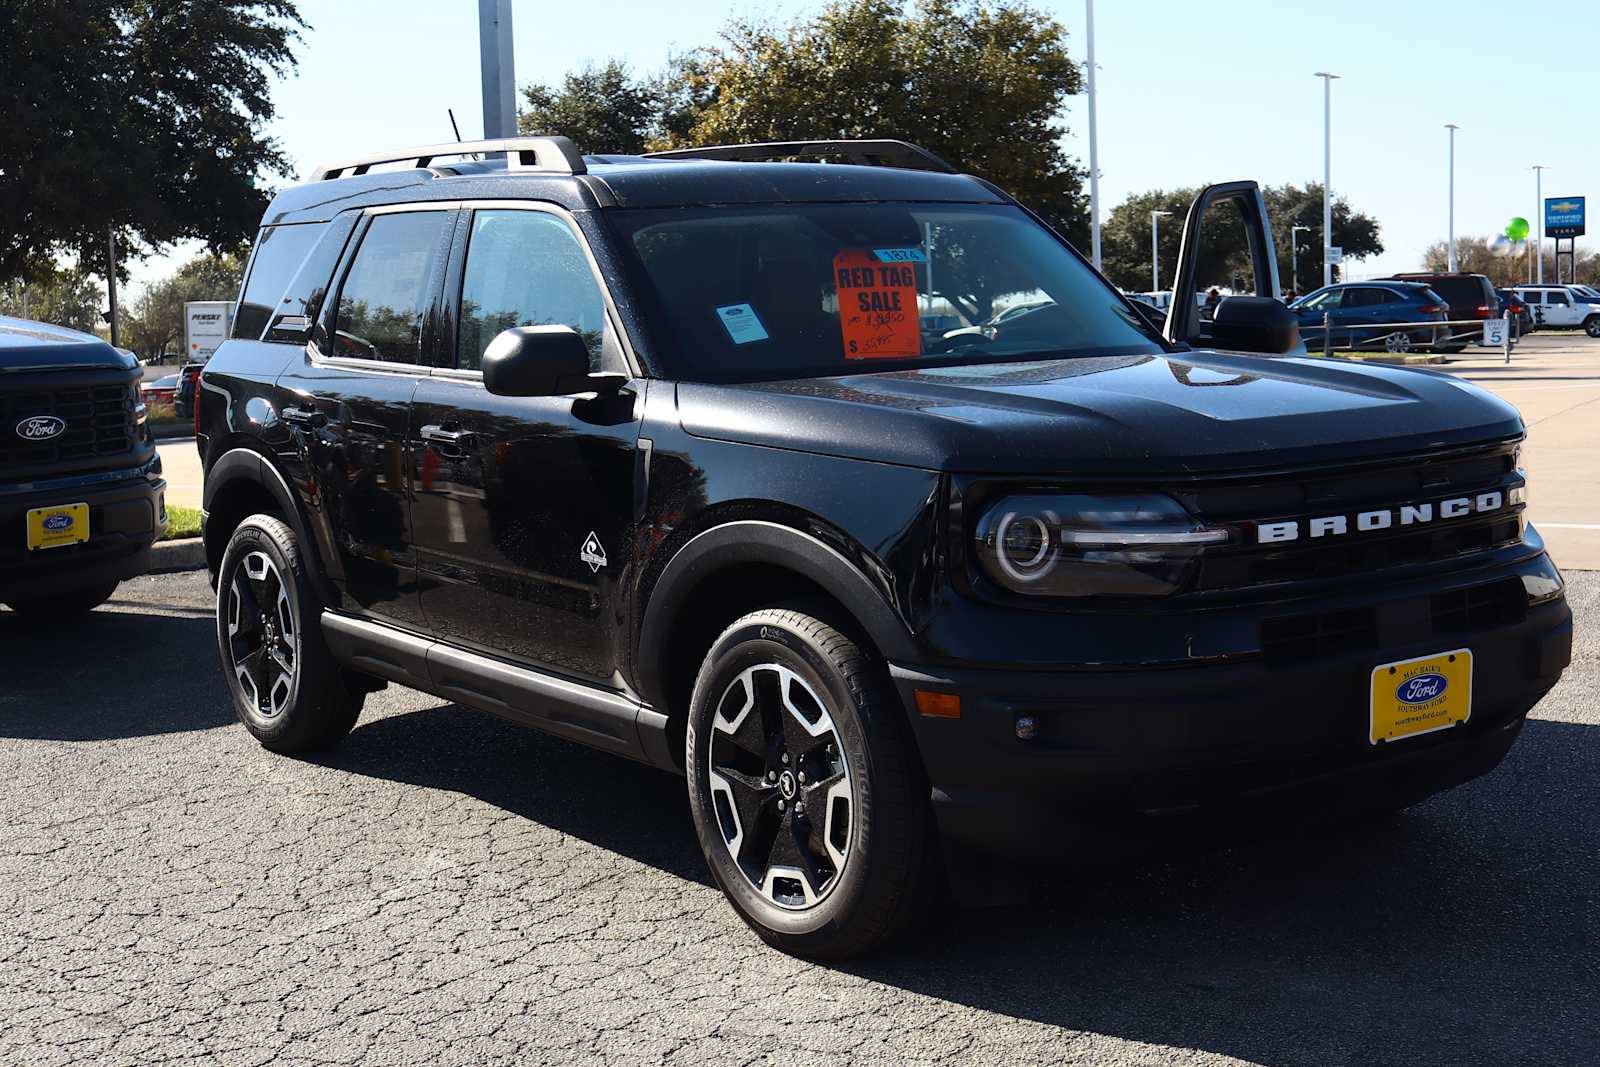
x: 1254, y: 324
x: 537, y: 361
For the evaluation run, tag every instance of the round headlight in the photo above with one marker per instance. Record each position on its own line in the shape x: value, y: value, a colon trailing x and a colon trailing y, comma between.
x: 1026, y: 553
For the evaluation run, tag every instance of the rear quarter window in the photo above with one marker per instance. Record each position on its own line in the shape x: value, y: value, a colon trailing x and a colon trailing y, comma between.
x: 278, y: 254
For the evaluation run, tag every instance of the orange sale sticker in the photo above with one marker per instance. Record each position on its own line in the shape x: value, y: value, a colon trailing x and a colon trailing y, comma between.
x: 877, y: 306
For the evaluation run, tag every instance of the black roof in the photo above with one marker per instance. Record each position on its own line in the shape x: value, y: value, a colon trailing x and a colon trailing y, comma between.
x: 631, y: 181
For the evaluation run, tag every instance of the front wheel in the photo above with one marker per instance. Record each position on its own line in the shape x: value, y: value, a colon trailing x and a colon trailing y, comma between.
x: 287, y: 688
x: 1591, y: 325
x: 807, y: 795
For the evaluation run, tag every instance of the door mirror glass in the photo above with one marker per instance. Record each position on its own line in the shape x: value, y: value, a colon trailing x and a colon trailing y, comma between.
x: 1255, y: 324
x: 537, y: 361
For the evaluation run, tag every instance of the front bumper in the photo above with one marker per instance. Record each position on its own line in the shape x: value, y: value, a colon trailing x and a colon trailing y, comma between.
x: 125, y: 518
x: 1116, y: 752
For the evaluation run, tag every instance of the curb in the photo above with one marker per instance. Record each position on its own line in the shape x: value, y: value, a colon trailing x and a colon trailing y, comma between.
x: 1398, y: 361
x: 184, y: 554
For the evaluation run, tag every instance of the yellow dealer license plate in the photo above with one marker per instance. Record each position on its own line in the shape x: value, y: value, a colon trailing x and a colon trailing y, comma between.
x: 1419, y: 696
x: 64, y: 524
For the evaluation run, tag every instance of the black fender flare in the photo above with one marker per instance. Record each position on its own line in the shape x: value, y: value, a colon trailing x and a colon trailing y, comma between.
x: 247, y: 465
x: 748, y: 541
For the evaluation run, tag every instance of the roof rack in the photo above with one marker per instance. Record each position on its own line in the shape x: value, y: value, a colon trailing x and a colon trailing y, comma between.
x: 549, y: 155
x: 880, y: 153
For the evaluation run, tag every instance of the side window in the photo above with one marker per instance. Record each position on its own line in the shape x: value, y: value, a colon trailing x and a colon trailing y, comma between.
x: 279, y: 252
x: 1556, y: 298
x: 385, y: 292
x: 526, y: 268
x: 1360, y: 298
x: 1531, y: 297
x: 1385, y: 296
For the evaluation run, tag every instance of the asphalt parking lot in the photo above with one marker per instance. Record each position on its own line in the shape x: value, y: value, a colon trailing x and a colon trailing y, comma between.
x: 450, y: 889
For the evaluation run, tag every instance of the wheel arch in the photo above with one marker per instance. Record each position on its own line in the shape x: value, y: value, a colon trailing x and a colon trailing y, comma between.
x: 240, y: 483
x: 736, y: 567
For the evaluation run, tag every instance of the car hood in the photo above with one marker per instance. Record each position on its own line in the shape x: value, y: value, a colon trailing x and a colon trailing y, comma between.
x: 35, y: 346
x: 1198, y: 412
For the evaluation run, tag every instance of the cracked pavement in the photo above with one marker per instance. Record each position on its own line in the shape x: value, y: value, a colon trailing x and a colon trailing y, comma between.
x: 447, y: 888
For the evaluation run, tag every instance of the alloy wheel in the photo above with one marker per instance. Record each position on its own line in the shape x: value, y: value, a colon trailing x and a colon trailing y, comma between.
x: 263, y: 640
x: 780, y: 786
x: 1399, y: 341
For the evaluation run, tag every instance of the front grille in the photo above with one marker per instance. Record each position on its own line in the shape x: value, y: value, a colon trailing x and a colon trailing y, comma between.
x: 99, y: 418
x: 1298, y: 639
x: 1349, y: 492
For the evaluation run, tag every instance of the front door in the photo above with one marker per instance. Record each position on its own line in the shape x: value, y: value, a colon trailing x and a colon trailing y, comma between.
x: 347, y: 406
x: 524, y: 506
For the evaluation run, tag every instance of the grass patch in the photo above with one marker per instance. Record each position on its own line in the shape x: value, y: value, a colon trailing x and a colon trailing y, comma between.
x: 181, y: 522
x: 163, y: 416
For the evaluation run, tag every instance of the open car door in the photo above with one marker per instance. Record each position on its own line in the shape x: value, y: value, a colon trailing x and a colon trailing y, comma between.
x: 1210, y: 248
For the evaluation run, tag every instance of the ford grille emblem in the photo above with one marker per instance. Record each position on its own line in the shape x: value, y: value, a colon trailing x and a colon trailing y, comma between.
x: 1421, y: 689
x: 41, y: 428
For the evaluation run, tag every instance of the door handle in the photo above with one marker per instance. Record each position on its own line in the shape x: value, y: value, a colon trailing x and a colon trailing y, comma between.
x: 302, y: 417
x: 438, y: 435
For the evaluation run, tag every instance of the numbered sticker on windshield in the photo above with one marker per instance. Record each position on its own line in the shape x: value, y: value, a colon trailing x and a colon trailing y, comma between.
x: 877, y: 305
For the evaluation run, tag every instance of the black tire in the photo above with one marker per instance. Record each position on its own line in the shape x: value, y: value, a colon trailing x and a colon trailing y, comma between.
x: 872, y: 861
x: 68, y: 602
x: 300, y: 699
x: 1591, y: 325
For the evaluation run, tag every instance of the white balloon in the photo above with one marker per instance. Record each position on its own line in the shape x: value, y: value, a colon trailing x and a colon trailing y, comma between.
x: 1500, y: 247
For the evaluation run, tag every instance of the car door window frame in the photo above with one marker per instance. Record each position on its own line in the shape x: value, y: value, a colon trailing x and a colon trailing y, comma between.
x: 328, y: 316
x: 455, y: 277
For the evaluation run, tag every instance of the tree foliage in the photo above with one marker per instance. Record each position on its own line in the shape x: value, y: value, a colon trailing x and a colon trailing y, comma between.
x: 982, y: 85
x: 1473, y: 254
x: 156, y: 325
x: 1223, y: 256
x: 144, y: 115
x: 62, y: 296
x: 602, y: 108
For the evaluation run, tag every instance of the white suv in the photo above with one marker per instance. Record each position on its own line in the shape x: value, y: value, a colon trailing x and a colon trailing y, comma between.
x: 1562, y: 305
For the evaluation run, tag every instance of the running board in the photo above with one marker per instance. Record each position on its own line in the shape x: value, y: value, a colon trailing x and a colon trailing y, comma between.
x: 595, y: 717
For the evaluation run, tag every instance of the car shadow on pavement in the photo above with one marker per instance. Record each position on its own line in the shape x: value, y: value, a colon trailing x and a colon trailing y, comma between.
x: 110, y: 674
x: 1466, y: 931
x: 614, y: 803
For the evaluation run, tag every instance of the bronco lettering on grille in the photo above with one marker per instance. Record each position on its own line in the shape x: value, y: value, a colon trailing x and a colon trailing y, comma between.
x: 1380, y: 519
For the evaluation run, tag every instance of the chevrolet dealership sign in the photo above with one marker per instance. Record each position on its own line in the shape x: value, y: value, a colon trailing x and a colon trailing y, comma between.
x: 1563, y: 216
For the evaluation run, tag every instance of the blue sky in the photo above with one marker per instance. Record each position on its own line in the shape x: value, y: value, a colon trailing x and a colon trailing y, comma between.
x: 1188, y: 94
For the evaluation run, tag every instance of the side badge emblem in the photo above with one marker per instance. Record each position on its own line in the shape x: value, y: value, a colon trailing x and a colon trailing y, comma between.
x: 592, y: 553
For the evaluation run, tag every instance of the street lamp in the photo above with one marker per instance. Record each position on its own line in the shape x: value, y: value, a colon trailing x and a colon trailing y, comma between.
x: 1294, y: 256
x: 1452, y: 127
x: 1094, y: 145
x: 1327, y: 174
x: 1538, y: 213
x: 1155, y: 251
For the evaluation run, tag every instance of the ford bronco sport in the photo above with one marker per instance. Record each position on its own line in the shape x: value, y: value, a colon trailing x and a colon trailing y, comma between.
x: 678, y: 456
x: 81, y: 494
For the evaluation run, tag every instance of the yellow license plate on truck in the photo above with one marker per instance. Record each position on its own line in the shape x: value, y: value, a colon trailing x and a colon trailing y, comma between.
x: 1418, y: 696
x: 63, y: 524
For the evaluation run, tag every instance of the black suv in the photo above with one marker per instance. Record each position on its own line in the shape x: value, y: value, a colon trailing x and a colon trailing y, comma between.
x: 680, y: 457
x: 81, y: 494
x: 1468, y: 296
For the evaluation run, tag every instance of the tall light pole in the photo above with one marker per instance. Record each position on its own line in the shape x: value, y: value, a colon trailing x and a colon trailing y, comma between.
x: 1094, y: 145
x: 1538, y: 215
x: 1327, y: 174
x: 499, y: 77
x: 1452, y: 127
x: 1294, y: 256
x: 1155, y: 251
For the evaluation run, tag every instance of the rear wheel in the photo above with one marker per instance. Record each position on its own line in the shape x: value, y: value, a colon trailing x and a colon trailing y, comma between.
x: 807, y: 795
x: 67, y: 602
x: 1398, y: 342
x: 287, y: 688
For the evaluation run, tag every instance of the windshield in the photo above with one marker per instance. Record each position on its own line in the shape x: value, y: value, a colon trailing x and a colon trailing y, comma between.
x: 774, y: 291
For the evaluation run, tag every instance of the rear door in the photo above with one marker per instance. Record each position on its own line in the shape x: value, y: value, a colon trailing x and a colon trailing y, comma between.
x: 347, y: 404
x: 524, y: 506
x: 1559, y: 309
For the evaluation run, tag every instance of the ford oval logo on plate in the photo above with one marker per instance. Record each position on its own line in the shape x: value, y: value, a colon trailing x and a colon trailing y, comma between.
x: 58, y: 522
x: 41, y: 428
x: 1421, y: 689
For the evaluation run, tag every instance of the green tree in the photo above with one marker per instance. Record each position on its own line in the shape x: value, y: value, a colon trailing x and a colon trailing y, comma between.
x: 143, y: 115
x: 156, y: 325
x: 1223, y: 258
x: 62, y: 296
x: 603, y: 109
x: 982, y: 85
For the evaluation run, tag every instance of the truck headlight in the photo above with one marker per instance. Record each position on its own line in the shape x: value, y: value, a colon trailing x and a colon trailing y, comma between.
x: 1082, y: 545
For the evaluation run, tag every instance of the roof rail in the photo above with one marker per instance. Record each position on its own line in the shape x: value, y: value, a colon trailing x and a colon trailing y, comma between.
x: 550, y: 155
x: 879, y: 153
